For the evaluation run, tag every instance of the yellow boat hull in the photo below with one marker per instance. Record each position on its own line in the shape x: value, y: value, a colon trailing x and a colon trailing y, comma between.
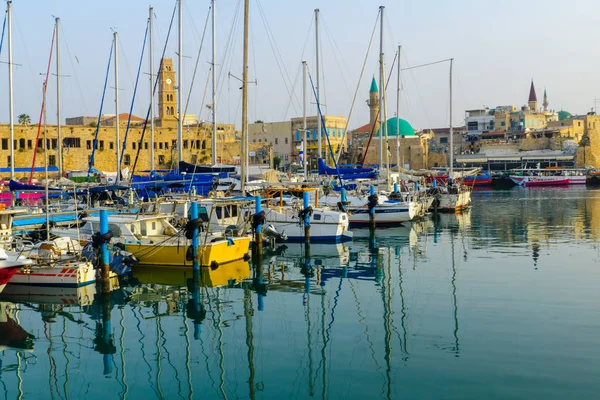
x: 173, y: 255
x: 235, y: 272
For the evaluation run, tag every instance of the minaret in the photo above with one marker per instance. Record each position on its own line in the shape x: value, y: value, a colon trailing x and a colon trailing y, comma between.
x: 545, y: 103
x: 532, y: 102
x: 373, y: 104
x: 167, y: 101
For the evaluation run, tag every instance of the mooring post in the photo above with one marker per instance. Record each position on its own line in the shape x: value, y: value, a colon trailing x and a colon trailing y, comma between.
x: 105, y: 254
x: 395, y: 188
x: 306, y: 199
x: 194, y: 212
x: 372, y: 210
x: 258, y: 240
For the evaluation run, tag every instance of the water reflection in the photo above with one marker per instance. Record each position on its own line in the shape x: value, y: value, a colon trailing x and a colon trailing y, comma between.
x: 403, y: 312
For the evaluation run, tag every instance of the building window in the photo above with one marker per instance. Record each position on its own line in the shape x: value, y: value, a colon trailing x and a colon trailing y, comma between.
x: 154, y: 145
x: 52, y: 161
x: 286, y: 140
x: 88, y: 144
x: 72, y: 142
x: 22, y: 143
x: 173, y: 144
x: 101, y: 145
x: 276, y: 141
x: 54, y: 144
x: 8, y: 161
x: 30, y: 144
x: 133, y: 145
x: 146, y: 145
x: 185, y: 144
x: 160, y: 145
x: 15, y: 144
x: 40, y: 143
x: 111, y: 145
x: 166, y: 145
x: 161, y: 160
x: 443, y: 140
x: 5, y: 144
x: 127, y: 159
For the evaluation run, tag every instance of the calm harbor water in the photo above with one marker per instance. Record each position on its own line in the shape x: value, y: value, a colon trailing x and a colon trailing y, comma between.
x: 501, y: 302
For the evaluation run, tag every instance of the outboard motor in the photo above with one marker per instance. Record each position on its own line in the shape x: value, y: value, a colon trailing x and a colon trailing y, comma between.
x: 271, y: 233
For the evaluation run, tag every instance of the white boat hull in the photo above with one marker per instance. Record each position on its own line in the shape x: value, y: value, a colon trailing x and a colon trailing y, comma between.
x: 325, y: 225
x: 74, y: 274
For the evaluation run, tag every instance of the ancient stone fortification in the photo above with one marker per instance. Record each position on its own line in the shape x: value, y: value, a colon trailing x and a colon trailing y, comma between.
x: 78, y: 144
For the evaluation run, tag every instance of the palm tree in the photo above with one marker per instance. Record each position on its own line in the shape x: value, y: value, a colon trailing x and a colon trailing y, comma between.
x: 24, y: 119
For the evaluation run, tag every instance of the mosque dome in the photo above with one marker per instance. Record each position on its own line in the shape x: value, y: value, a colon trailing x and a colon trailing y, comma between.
x: 562, y: 115
x: 406, y: 128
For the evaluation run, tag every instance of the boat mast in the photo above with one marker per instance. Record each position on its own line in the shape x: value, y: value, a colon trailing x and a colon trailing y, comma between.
x: 382, y: 88
x: 245, y: 102
x: 451, y: 130
x: 10, y: 90
x: 304, y: 139
x: 214, y: 86
x: 398, y: 113
x: 179, y: 93
x: 318, y: 88
x: 151, y: 44
x: 117, y: 140
x: 58, y: 132
x: 46, y: 162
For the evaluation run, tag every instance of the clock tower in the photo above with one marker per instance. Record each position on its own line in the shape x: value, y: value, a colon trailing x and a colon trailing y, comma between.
x: 167, y: 97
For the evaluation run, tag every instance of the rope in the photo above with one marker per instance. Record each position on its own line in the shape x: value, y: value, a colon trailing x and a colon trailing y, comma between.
x: 91, y: 164
x: 137, y: 154
x: 196, y: 67
x: 3, y: 29
x: 137, y: 78
x: 37, y: 138
x: 357, y: 87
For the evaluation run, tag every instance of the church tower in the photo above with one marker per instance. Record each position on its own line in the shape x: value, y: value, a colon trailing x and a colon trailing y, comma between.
x: 532, y: 102
x: 373, y: 104
x: 167, y: 97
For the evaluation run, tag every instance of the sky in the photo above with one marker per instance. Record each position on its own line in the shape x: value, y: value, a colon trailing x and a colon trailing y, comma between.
x: 497, y: 47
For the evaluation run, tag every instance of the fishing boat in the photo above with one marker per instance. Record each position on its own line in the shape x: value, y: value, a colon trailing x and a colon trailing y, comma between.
x: 551, y: 176
x: 326, y: 224
x: 153, y: 240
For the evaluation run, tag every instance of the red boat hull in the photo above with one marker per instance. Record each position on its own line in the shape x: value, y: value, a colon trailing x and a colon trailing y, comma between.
x: 556, y: 182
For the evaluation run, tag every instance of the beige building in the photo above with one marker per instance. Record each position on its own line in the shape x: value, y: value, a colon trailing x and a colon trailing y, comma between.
x: 277, y: 135
x: 78, y: 140
x: 335, y: 128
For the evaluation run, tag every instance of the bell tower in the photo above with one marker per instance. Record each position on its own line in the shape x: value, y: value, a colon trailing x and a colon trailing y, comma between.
x: 167, y: 98
x: 373, y: 104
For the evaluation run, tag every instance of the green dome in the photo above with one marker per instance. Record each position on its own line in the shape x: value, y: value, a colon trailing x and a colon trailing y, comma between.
x: 562, y: 115
x: 406, y: 128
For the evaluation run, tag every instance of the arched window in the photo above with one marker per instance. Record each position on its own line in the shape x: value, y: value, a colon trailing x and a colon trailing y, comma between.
x: 168, y: 111
x: 172, y: 111
x: 204, y: 145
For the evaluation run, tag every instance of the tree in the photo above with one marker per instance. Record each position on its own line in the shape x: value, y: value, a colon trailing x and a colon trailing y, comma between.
x: 24, y: 119
x: 276, y: 162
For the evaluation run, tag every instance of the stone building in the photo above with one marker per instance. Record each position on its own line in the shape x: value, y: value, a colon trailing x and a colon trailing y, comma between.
x: 78, y: 140
x: 335, y: 128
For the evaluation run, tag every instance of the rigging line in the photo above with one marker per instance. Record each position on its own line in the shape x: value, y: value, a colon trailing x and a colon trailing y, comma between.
x: 419, y: 97
x: 358, y: 85
x: 426, y: 64
x: 335, y: 47
x: 387, y: 82
x: 45, y: 87
x: 278, y: 57
x: 3, y: 29
x: 137, y: 154
x: 137, y: 78
x: 227, y: 52
x: 196, y: 66
x: 203, y: 136
x: 75, y: 75
x: 91, y: 162
x: 299, y: 70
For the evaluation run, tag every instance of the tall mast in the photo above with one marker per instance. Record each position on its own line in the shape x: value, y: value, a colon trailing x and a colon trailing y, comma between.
x: 382, y: 88
x: 179, y: 97
x: 451, y: 130
x: 10, y: 90
x: 117, y: 139
x: 398, y: 113
x: 214, y: 86
x: 245, y: 102
x: 318, y: 88
x: 151, y: 44
x: 304, y: 140
x: 58, y: 133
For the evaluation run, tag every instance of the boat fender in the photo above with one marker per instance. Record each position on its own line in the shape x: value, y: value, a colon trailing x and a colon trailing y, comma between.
x: 214, y: 265
x: 308, y: 211
x: 372, y: 201
x: 342, y: 206
x: 246, y: 257
x: 191, y: 226
x: 189, y: 254
x: 98, y: 239
x: 169, y: 231
x: 258, y: 220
